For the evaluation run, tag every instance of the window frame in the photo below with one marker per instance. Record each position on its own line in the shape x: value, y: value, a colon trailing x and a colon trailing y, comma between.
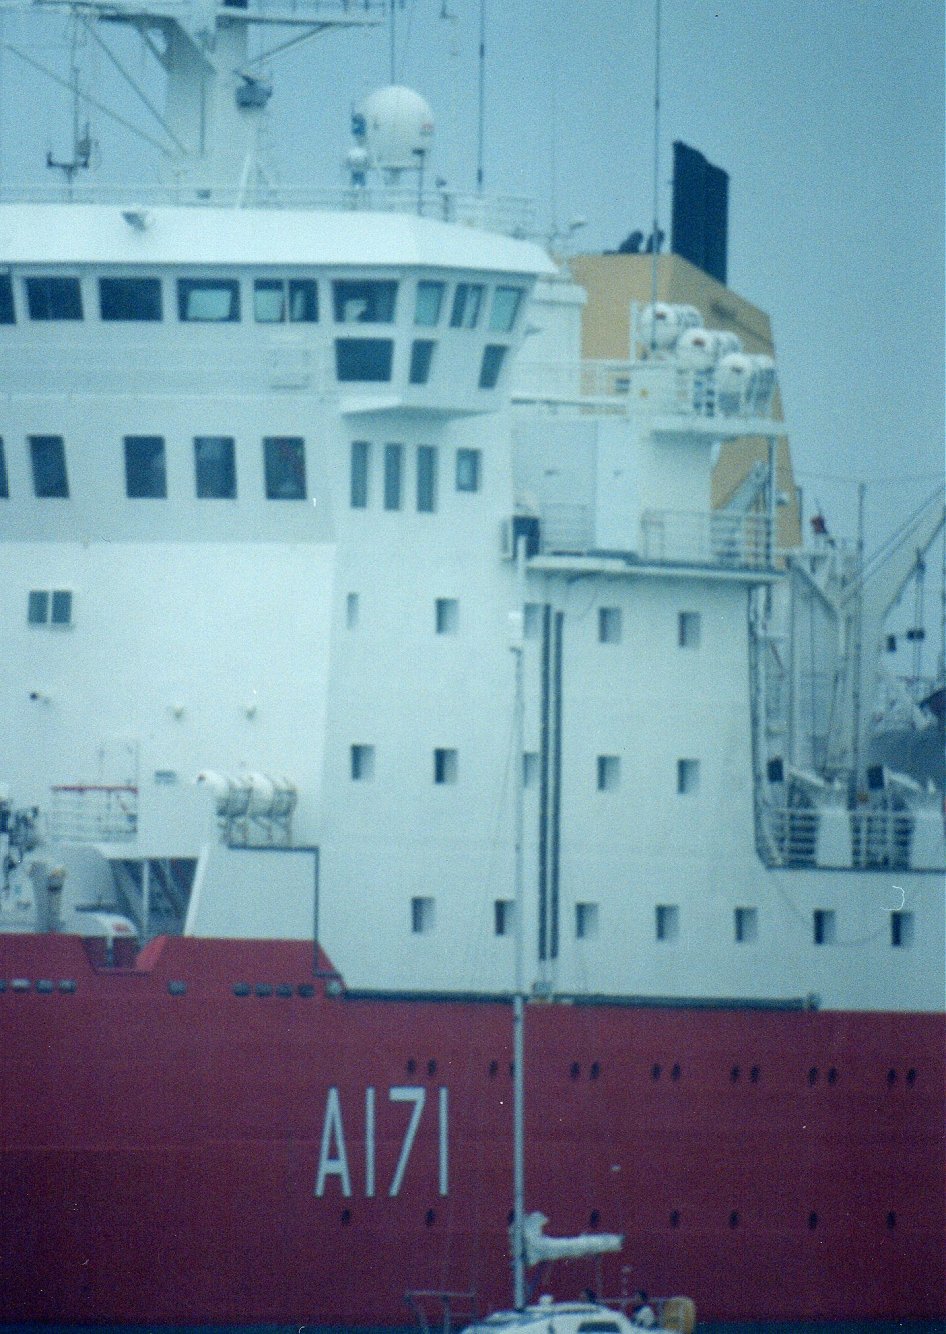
x: 117, y: 282
x: 276, y: 467
x: 135, y: 467
x: 228, y: 467
x: 492, y: 365
x: 186, y: 287
x: 380, y: 295
x: 472, y: 459
x: 467, y: 305
x: 422, y: 360
x: 53, y: 295
x: 427, y: 469
x: 59, y: 490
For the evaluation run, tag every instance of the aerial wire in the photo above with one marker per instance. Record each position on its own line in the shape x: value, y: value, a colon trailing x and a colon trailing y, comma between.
x: 656, y: 233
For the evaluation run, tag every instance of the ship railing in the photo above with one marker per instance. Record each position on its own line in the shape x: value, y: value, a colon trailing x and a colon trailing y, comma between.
x: 453, y: 1309
x: 600, y: 385
x: 874, y: 840
x: 881, y: 838
x: 94, y: 813
x: 512, y: 215
x: 716, y: 537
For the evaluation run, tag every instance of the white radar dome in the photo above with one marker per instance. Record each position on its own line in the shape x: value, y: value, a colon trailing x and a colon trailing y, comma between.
x: 661, y: 324
x: 398, y: 127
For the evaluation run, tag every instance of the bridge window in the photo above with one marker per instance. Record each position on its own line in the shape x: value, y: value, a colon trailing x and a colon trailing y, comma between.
x: 215, y: 467
x: 48, y: 458
x: 49, y: 608
x: 284, y: 467
x: 493, y: 357
x: 145, y: 469
x: 422, y: 355
x: 467, y: 300
x: 276, y: 300
x: 426, y: 479
x: 7, y: 313
x: 901, y: 929
x: 49, y: 298
x: 393, y: 476
x: 468, y: 469
x: 365, y: 359
x: 429, y: 303
x: 358, y: 301
x: 208, y: 300
x: 506, y: 302
x: 130, y: 299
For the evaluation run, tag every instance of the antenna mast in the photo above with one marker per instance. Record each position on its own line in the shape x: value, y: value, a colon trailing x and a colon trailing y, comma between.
x: 481, y: 100
x: 656, y: 234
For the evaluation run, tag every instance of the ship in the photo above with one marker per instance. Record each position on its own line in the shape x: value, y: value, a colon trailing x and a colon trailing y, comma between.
x: 287, y: 485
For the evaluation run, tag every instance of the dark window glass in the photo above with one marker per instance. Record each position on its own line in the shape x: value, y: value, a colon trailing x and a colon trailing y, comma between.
x: 145, y: 472
x: 130, y: 298
x: 4, y: 485
x: 208, y: 300
x: 393, y: 468
x: 48, y: 457
x: 467, y: 300
x: 422, y: 354
x: 360, y: 455
x: 362, y: 302
x: 215, y: 467
x: 284, y: 459
x: 61, y: 607
x: 303, y: 301
x: 468, y: 469
x: 54, y: 298
x: 367, y: 359
x: 37, y: 607
x: 493, y: 357
x: 426, y: 479
x: 271, y: 306
x: 7, y: 315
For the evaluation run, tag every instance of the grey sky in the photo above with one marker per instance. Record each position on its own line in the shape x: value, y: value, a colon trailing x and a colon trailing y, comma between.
x: 828, y: 115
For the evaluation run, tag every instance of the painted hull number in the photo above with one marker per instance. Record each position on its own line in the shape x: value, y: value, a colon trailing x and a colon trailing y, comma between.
x: 333, y: 1154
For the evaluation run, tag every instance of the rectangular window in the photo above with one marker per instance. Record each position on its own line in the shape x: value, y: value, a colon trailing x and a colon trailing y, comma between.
x: 7, y: 313
x: 493, y: 356
x: 506, y: 302
x: 137, y: 299
x: 215, y: 467
x: 445, y: 766
x: 360, y: 459
x: 901, y: 929
x: 361, y: 302
x: 609, y: 625
x: 422, y: 355
x: 48, y: 458
x: 145, y: 468
x: 208, y: 300
x: 426, y: 479
x: 586, y: 920
x: 530, y: 769
x: 688, y: 776
x: 352, y: 610
x: 4, y: 485
x: 422, y: 915
x: 366, y: 360
x: 667, y: 921
x: 467, y: 300
x: 504, y: 917
x: 746, y: 925
x: 468, y: 469
x: 37, y: 607
x: 688, y: 629
x: 61, y: 607
x: 362, y: 763
x: 531, y: 620
x: 609, y: 772
x: 393, y: 476
x: 51, y: 298
x: 303, y: 301
x: 824, y: 926
x: 447, y: 616
x: 284, y: 467
x: 428, y: 304
x: 275, y: 301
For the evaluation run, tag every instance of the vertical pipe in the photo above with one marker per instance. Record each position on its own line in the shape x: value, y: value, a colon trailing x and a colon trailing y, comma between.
x: 653, y: 261
x: 481, y: 100
x: 518, y: 1026
x: 145, y: 901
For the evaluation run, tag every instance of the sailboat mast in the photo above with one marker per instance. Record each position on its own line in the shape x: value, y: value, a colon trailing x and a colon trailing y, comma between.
x: 518, y: 1013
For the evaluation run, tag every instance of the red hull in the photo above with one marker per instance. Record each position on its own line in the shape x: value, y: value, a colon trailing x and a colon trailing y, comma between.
x: 180, y: 1157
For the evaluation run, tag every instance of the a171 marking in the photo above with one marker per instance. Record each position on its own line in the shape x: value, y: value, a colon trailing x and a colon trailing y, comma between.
x: 333, y: 1154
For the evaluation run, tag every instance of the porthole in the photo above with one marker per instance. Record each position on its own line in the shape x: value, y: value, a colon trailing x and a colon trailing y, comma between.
x: 346, y: 1217
x: 575, y: 1070
x: 177, y: 988
x: 675, y: 1073
x: 263, y: 989
x: 891, y: 1220
x: 754, y: 1074
x: 734, y: 1218
x: 832, y: 1076
x: 306, y: 990
x: 241, y: 988
x: 44, y: 986
x: 431, y: 1067
x: 734, y: 1074
x: 812, y: 1076
x: 655, y: 1071
x: 493, y: 1069
x: 595, y: 1070
x: 674, y: 1217
x: 911, y: 1077
x: 284, y: 990
x: 430, y: 1218
x: 812, y: 1220
x: 67, y: 986
x: 891, y: 1077
x: 594, y: 1218
x: 411, y: 1066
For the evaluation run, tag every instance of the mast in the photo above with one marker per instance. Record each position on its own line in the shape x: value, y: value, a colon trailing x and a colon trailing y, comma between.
x: 518, y: 1010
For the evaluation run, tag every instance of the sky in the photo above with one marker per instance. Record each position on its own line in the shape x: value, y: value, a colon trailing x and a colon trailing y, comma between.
x: 827, y: 115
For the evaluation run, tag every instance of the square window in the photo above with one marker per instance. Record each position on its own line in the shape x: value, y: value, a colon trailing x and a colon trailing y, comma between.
x: 359, y: 301
x: 688, y: 776
x: 445, y: 766
x: 901, y: 929
x: 746, y: 925
x: 422, y: 915
x: 688, y: 629
x: 61, y: 613
x: 422, y: 355
x: 667, y: 921
x: 362, y: 763
x: 215, y: 467
x: 493, y: 357
x: 132, y: 299
x: 352, y: 610
x: 468, y: 469
x: 393, y: 476
x: 586, y: 920
x: 467, y: 300
x: 360, y: 459
x: 609, y: 625
x: 609, y: 772
x: 426, y: 479
x: 7, y: 312
x: 506, y: 302
x: 504, y: 917
x: 4, y: 485
x: 429, y: 303
x: 303, y: 301
x: 367, y: 360
x: 37, y: 607
x: 145, y: 471
x: 208, y: 300
x: 50, y: 298
x: 532, y: 620
x: 447, y: 616
x: 284, y: 467
x: 530, y: 769
x: 48, y: 457
x: 824, y: 926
